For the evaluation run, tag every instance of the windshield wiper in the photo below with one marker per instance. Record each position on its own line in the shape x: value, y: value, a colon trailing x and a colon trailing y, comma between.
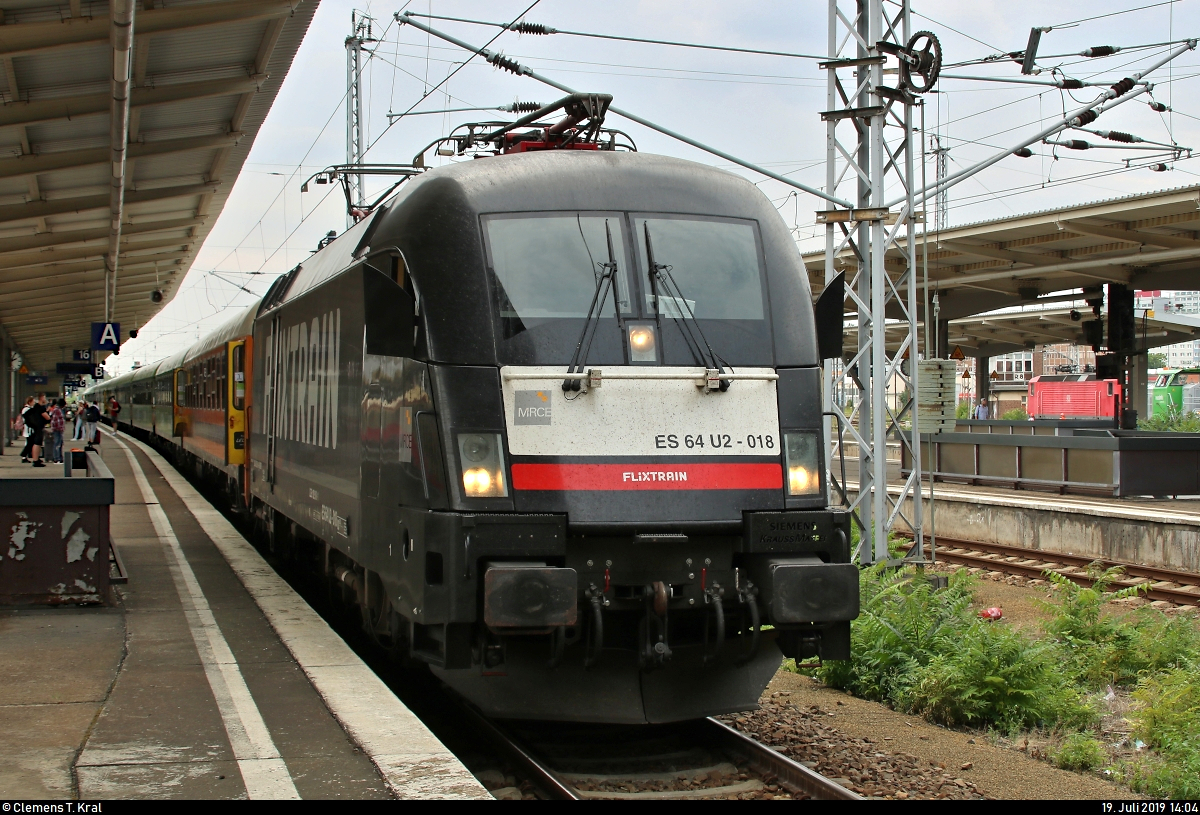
x: 604, y: 282
x: 661, y: 280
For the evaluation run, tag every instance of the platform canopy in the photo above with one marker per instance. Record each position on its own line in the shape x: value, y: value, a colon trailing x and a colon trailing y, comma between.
x: 204, y: 74
x: 1147, y: 241
x: 1013, y: 330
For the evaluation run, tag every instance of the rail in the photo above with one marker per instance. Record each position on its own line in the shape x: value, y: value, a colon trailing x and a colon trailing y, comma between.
x: 1164, y: 584
x: 623, y: 764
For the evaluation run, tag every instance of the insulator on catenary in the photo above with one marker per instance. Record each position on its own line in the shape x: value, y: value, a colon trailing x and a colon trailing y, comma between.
x: 1117, y: 135
x: 1159, y: 168
x: 1070, y: 84
x: 1123, y: 87
x: 1023, y: 152
x: 1100, y: 51
x: 1075, y: 144
x: 532, y: 28
x: 521, y: 107
x: 501, y: 61
x: 1159, y: 107
x: 1087, y: 117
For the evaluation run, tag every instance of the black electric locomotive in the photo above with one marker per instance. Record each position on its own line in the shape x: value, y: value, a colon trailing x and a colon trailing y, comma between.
x: 552, y: 421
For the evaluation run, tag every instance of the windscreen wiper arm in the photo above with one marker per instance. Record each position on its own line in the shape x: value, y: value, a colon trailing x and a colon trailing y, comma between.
x: 661, y: 280
x: 605, y: 282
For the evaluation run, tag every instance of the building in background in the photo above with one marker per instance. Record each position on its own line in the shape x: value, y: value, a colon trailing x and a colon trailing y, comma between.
x: 1180, y: 355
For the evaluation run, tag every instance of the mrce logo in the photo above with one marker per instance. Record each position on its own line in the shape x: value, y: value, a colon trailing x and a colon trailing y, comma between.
x: 532, y: 407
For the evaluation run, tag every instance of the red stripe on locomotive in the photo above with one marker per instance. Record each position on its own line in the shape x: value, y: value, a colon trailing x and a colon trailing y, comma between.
x: 647, y: 476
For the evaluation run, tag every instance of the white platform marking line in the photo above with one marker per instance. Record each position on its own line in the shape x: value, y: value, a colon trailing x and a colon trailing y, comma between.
x: 412, y: 762
x: 263, y: 769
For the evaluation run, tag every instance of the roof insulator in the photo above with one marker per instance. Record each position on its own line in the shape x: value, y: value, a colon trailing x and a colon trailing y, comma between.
x: 1117, y: 135
x: 1100, y: 51
x: 503, y: 62
x: 1075, y: 144
x: 1159, y: 107
x: 1023, y: 152
x: 521, y: 107
x: 1070, y: 84
x: 1087, y: 117
x: 1159, y: 168
x: 1123, y: 87
x: 532, y: 28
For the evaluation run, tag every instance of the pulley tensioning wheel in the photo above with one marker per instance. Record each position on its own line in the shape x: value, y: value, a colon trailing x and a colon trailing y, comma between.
x: 921, y: 76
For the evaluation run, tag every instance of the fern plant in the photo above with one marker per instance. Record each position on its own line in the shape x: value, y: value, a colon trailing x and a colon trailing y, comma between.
x: 898, y: 626
x: 1099, y: 649
x: 993, y: 674
x: 1168, y: 719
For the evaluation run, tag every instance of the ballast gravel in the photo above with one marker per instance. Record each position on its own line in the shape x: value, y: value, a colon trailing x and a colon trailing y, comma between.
x: 861, y: 764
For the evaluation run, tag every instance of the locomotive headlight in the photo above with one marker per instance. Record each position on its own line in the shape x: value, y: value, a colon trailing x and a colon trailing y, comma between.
x: 642, y: 343
x: 481, y: 459
x: 800, y: 458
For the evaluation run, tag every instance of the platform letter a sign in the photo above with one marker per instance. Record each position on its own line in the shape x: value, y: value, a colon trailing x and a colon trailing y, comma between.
x: 106, y: 336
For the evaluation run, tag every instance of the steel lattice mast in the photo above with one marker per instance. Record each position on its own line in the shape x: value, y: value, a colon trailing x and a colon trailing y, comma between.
x: 355, y: 139
x: 869, y: 147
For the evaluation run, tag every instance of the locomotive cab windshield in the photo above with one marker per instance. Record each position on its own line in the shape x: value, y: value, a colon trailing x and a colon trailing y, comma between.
x: 545, y: 271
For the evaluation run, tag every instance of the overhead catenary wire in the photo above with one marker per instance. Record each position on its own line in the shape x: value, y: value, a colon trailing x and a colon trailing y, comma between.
x: 1119, y: 94
x: 398, y: 18
x: 543, y: 30
x: 300, y: 165
x: 1113, y: 14
x: 511, y: 65
x: 592, y: 62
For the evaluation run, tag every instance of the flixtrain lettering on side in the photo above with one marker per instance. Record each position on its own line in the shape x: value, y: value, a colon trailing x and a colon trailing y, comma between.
x: 306, y: 361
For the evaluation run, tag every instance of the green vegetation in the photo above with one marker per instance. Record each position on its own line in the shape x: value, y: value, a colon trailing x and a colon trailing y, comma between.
x: 925, y: 651
x: 1172, y: 422
x: 1098, y: 648
x: 963, y: 411
x: 1156, y: 359
x: 1015, y: 415
x: 1169, y: 721
x: 1079, y: 751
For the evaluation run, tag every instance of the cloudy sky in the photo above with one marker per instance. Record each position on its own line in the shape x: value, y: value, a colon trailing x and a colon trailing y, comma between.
x: 761, y: 108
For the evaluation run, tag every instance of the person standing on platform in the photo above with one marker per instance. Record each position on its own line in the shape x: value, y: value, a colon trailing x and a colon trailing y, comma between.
x: 20, y: 427
x: 981, y: 411
x: 58, y: 423
x: 114, y: 412
x: 80, y: 407
x: 91, y: 419
x: 36, y: 419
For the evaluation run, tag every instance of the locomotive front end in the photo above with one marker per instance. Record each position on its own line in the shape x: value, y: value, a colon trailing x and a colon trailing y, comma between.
x: 651, y: 532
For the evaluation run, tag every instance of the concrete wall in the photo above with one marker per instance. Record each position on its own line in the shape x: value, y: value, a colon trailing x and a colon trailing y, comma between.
x: 1046, y: 523
x: 1076, y: 531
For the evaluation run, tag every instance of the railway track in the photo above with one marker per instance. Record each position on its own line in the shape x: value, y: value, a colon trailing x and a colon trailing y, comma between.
x: 1165, y: 584
x: 703, y: 759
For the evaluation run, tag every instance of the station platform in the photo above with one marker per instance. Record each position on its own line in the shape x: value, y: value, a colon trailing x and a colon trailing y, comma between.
x: 205, y: 676
x: 1159, y: 532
